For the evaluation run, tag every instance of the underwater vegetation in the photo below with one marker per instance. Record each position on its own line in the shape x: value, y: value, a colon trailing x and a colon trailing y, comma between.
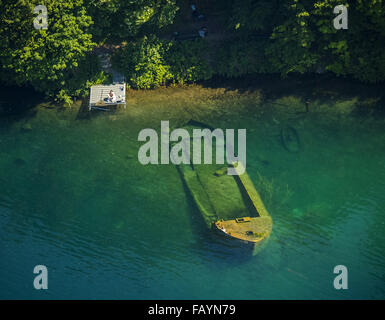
x: 273, y: 194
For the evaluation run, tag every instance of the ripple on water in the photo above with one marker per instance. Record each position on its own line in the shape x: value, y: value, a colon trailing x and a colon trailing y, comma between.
x: 108, y: 227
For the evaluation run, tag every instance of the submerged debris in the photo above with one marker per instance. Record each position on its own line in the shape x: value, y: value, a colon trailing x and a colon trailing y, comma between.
x: 290, y: 139
x: 19, y: 161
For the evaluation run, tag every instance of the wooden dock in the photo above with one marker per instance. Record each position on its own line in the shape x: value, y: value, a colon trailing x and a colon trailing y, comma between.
x: 99, y: 93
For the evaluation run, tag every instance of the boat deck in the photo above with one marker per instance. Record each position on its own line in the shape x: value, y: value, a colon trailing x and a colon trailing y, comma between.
x: 228, y: 203
x: 223, y: 192
x: 253, y: 229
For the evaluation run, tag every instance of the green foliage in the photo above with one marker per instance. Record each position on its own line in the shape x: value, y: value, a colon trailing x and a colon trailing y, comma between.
x: 262, y: 36
x: 151, y: 62
x: 251, y: 15
x: 187, y: 61
x: 302, y: 38
x: 143, y: 63
x: 242, y: 57
x: 290, y: 48
x: 367, y: 40
x: 43, y: 58
x: 122, y: 19
x: 78, y: 81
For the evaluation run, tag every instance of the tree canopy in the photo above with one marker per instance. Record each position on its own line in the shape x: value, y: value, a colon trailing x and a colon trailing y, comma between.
x: 256, y: 36
x: 124, y: 19
x: 302, y: 37
x: 45, y: 59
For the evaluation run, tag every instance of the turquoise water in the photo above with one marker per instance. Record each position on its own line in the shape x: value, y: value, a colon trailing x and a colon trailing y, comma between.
x: 74, y: 198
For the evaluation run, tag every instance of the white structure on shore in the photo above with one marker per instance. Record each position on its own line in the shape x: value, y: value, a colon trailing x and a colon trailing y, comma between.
x: 99, y: 96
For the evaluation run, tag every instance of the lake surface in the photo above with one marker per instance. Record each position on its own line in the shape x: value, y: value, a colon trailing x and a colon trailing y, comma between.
x: 74, y: 197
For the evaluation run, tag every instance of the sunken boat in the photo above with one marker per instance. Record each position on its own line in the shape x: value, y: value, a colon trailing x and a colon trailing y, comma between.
x: 229, y: 204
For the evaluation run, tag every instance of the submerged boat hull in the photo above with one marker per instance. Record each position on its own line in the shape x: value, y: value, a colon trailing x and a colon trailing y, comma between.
x: 228, y: 204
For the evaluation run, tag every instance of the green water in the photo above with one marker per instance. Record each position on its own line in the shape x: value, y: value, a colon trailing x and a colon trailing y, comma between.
x: 74, y: 198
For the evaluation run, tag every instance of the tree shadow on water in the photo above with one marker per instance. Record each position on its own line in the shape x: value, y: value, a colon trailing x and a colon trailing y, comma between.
x: 322, y: 88
x: 85, y: 113
x: 17, y: 103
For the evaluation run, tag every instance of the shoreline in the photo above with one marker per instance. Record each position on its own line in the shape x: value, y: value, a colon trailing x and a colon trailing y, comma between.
x: 269, y: 88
